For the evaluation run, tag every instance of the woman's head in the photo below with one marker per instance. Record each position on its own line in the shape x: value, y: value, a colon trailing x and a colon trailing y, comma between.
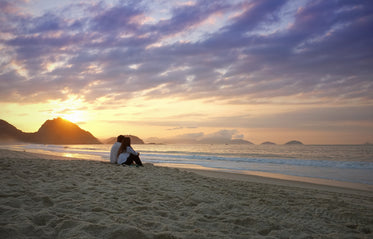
x: 126, y: 141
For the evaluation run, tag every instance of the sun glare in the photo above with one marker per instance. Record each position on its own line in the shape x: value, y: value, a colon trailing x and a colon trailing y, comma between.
x: 74, y: 116
x: 70, y: 109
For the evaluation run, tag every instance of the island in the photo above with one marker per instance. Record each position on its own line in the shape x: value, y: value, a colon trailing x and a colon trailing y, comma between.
x: 268, y: 143
x: 294, y: 142
x: 134, y: 140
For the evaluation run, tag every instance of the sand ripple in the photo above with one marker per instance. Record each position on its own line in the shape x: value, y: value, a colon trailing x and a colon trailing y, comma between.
x: 54, y: 198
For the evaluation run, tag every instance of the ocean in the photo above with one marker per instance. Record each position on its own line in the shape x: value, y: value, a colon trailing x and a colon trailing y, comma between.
x: 343, y: 163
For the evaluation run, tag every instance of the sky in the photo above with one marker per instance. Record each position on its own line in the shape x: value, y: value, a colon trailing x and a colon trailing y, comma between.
x: 187, y: 71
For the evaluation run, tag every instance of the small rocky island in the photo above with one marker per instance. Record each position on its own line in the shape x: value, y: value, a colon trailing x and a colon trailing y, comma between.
x: 134, y: 140
x: 268, y: 143
x: 294, y: 142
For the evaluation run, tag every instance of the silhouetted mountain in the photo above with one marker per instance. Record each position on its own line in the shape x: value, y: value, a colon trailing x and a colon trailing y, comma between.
x: 268, y: 143
x: 56, y: 131
x: 134, y: 140
x: 60, y: 131
x: 294, y: 142
x: 9, y: 133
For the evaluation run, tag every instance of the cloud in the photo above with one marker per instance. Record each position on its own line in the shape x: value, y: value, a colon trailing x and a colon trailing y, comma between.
x: 115, y: 18
x: 221, y: 136
x: 181, y: 127
x: 315, y: 118
x: 257, y: 50
x: 326, y: 118
x: 188, y: 16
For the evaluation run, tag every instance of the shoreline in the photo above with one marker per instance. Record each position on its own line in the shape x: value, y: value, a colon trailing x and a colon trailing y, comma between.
x: 45, y: 196
x: 266, y: 176
x: 249, y: 176
x: 276, y: 179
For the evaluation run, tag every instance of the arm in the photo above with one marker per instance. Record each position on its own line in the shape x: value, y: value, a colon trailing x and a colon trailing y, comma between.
x: 132, y: 151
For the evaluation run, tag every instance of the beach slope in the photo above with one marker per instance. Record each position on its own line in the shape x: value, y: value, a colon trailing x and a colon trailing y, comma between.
x: 50, y: 197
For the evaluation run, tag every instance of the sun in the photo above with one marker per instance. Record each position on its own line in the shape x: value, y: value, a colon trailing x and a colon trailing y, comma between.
x: 71, y: 109
x: 73, y: 116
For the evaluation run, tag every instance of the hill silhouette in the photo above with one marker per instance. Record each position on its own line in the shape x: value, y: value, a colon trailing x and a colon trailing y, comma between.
x: 56, y: 131
x: 9, y: 133
x: 134, y: 140
x: 294, y: 142
x: 268, y: 143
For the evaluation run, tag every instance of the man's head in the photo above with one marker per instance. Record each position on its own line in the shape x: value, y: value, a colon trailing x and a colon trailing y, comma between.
x: 120, y: 138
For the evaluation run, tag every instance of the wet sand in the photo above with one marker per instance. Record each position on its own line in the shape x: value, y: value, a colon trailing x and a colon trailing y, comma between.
x: 45, y: 196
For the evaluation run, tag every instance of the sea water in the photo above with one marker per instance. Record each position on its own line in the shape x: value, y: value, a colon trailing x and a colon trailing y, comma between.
x: 344, y: 163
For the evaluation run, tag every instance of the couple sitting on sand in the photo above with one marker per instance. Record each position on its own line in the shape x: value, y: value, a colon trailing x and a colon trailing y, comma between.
x: 122, y: 153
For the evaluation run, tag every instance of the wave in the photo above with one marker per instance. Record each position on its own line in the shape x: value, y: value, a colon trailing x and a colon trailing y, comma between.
x: 159, y: 158
x: 189, y: 157
x: 350, y: 163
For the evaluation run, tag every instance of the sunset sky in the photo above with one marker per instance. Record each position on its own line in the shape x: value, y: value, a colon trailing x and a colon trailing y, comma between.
x: 261, y: 70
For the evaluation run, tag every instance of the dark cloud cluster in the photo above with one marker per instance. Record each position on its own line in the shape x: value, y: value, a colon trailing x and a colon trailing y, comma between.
x: 263, y: 49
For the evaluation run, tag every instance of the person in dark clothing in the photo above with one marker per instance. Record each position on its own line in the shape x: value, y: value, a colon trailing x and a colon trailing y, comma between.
x: 127, y: 155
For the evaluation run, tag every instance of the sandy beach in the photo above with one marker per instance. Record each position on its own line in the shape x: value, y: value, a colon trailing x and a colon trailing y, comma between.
x: 45, y: 196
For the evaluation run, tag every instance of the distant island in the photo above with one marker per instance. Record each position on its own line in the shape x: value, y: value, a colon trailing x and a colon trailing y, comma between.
x: 56, y: 131
x: 294, y: 142
x: 134, y: 140
x: 268, y: 143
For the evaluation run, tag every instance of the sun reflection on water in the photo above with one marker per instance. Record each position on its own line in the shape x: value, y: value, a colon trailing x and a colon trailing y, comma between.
x: 68, y: 155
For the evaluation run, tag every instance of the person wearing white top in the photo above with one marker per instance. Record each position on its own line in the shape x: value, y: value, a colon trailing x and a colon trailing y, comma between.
x: 127, y: 155
x: 115, y: 148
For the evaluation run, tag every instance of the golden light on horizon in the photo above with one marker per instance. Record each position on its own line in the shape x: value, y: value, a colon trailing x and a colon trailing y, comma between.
x: 74, y: 116
x: 72, y: 109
